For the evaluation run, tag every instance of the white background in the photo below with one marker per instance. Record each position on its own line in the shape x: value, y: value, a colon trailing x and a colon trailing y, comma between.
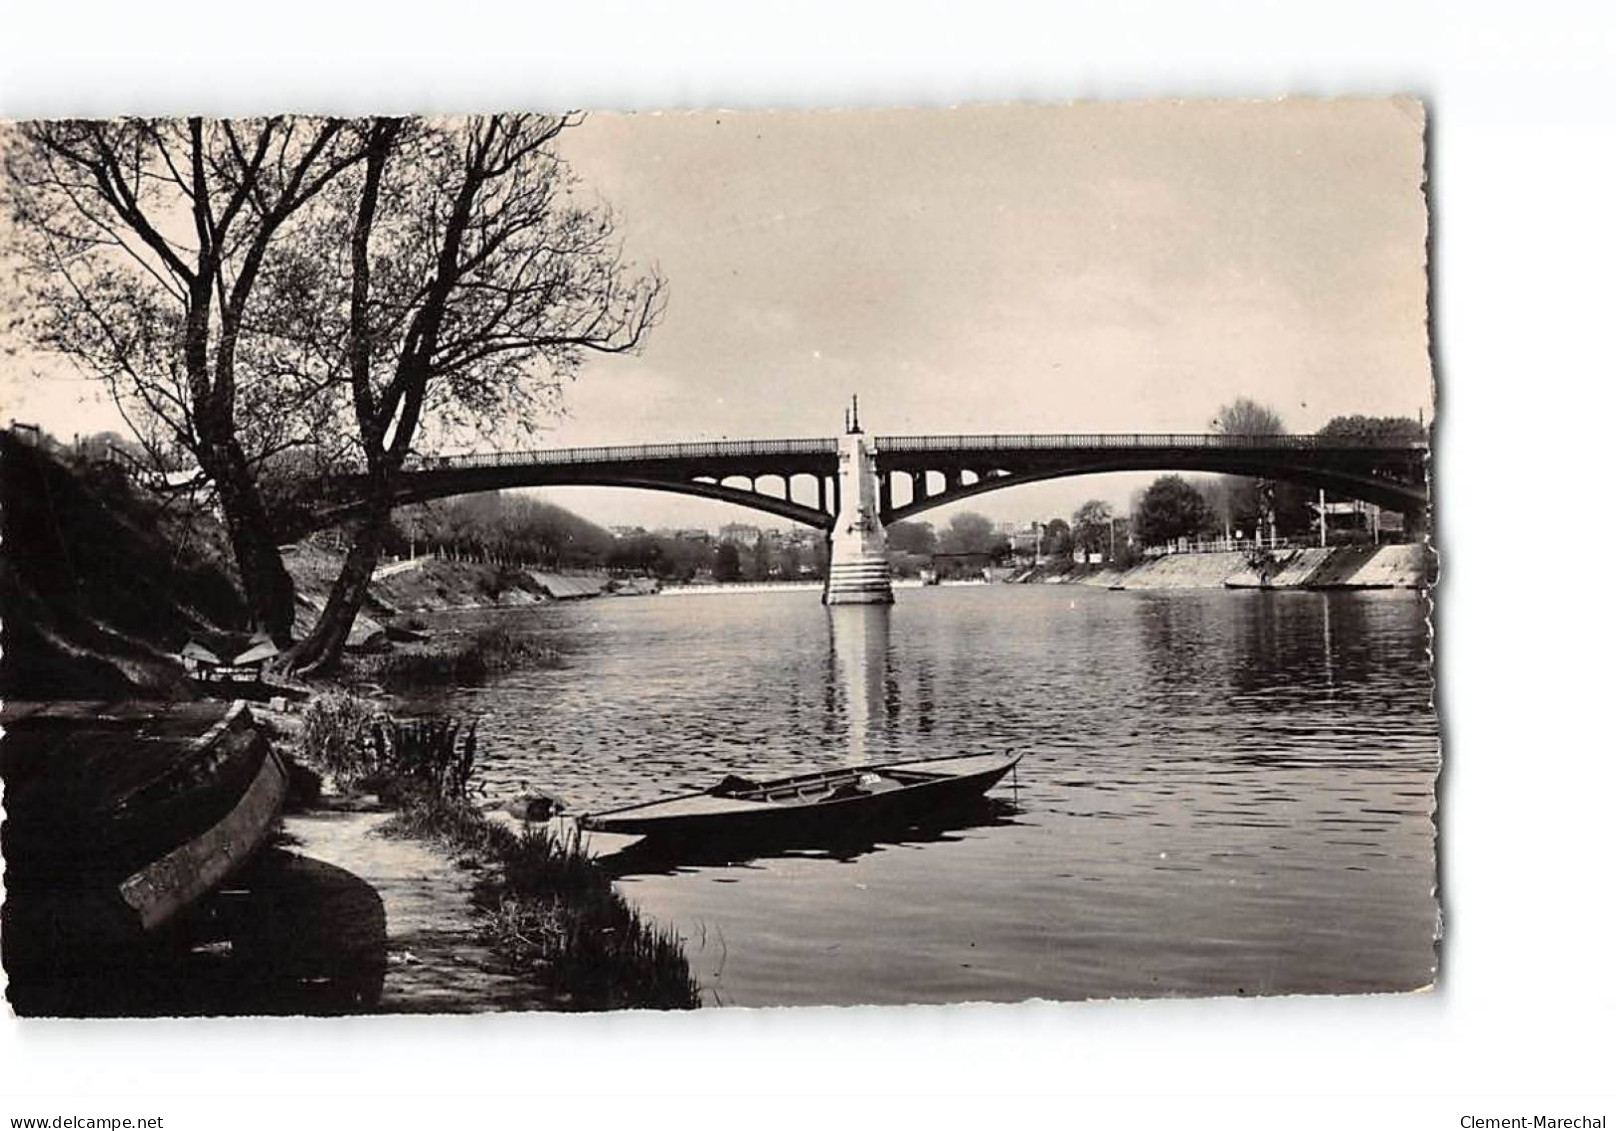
x: 1521, y: 1023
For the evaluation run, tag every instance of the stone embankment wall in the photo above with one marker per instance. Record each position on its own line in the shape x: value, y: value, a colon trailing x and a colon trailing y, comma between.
x: 1400, y: 567
x: 1185, y: 571
x: 1288, y: 571
x: 1344, y: 567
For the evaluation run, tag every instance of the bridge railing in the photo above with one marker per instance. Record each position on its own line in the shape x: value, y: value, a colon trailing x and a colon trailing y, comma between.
x: 1023, y: 441
x: 627, y: 453
x: 1056, y: 441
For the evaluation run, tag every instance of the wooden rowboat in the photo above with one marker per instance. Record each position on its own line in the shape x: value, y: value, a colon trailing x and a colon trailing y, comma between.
x: 121, y: 816
x: 828, y: 802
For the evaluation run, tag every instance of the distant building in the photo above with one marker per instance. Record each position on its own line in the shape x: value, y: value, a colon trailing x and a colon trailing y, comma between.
x: 1351, y: 519
x: 741, y: 533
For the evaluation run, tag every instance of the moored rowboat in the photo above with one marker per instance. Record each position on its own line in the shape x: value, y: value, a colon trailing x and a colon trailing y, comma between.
x: 831, y: 801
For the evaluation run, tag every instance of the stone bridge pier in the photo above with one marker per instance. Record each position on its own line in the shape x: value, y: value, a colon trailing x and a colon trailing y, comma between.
x: 859, y: 572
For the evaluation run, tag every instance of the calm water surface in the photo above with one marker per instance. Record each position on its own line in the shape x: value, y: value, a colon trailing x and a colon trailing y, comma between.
x: 1222, y: 792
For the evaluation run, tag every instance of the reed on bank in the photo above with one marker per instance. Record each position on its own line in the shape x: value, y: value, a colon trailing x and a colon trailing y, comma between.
x: 550, y: 912
x: 554, y: 914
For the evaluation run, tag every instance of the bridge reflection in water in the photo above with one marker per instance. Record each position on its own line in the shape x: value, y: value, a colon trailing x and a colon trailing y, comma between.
x: 861, y: 675
x: 1222, y: 793
x: 861, y: 726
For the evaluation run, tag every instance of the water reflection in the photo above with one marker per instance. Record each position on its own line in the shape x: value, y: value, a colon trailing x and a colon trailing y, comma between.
x: 1222, y: 792
x: 651, y: 857
x: 861, y: 664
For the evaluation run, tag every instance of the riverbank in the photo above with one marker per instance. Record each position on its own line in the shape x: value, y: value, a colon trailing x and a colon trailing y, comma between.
x: 435, y: 958
x: 1411, y: 566
x: 482, y: 912
x: 390, y: 893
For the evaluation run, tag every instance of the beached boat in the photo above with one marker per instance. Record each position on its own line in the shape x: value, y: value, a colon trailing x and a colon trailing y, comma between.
x: 120, y: 816
x: 828, y: 802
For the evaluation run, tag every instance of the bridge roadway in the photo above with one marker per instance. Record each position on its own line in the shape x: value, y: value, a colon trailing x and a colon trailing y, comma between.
x: 916, y: 473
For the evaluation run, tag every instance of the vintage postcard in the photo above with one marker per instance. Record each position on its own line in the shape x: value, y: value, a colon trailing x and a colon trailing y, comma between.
x: 700, y: 560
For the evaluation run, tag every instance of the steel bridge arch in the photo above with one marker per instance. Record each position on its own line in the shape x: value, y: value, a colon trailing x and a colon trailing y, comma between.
x: 1368, y: 488
x: 425, y: 486
x: 1391, y: 475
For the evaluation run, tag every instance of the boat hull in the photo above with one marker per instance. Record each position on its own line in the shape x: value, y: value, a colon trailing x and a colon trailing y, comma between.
x: 830, y: 817
x: 123, y: 816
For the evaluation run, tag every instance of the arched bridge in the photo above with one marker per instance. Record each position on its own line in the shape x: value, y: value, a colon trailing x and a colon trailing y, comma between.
x: 798, y: 479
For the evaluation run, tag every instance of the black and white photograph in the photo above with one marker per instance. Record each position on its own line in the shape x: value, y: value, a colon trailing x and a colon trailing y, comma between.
x: 522, y: 562
x: 757, y: 565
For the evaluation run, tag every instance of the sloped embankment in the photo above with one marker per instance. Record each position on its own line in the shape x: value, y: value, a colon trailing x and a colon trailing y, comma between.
x: 1340, y: 570
x: 426, y: 585
x: 100, y: 584
x: 1397, y: 567
x: 1185, y: 571
x: 1411, y: 566
x: 1291, y: 570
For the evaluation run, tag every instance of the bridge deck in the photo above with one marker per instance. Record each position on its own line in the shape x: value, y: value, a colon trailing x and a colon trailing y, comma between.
x: 1391, y: 473
x: 997, y: 442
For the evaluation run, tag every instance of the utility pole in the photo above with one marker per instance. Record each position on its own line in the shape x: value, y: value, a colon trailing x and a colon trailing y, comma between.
x: 1321, y: 518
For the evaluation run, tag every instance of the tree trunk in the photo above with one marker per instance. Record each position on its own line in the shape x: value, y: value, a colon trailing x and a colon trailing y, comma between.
x: 322, y: 648
x: 264, y: 580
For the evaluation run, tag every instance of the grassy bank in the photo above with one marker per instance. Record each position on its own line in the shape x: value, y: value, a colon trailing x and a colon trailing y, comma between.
x: 453, y: 662
x: 551, y: 913
x: 554, y: 914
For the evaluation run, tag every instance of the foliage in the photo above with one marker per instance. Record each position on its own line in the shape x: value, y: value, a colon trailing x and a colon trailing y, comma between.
x: 760, y: 566
x: 1245, y: 417
x: 727, y: 562
x: 144, y: 244
x: 1091, y: 526
x: 502, y: 526
x: 660, y: 555
x: 456, y: 279
x: 972, y: 533
x: 1246, y: 504
x: 458, y: 662
x: 336, y: 737
x: 792, y: 565
x: 432, y: 755
x: 1057, y: 538
x: 912, y: 537
x: 1170, y: 508
x: 554, y: 913
x: 1385, y: 429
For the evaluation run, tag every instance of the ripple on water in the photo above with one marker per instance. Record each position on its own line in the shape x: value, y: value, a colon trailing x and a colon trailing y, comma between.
x: 1221, y: 792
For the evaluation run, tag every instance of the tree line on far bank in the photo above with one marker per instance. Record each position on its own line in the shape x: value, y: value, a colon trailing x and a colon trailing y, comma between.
x: 520, y: 530
x: 1232, y: 506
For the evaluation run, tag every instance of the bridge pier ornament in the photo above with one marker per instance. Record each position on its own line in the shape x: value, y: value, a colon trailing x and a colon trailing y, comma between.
x: 859, y: 572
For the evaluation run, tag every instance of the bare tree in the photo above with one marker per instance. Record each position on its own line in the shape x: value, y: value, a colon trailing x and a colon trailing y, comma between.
x: 456, y: 276
x: 1236, y: 499
x: 1245, y: 417
x: 144, y: 242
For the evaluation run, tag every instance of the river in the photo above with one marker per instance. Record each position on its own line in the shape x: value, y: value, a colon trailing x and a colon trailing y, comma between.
x: 1222, y: 792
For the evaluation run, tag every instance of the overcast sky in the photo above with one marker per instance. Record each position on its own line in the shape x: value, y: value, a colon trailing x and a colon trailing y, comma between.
x: 1100, y: 267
